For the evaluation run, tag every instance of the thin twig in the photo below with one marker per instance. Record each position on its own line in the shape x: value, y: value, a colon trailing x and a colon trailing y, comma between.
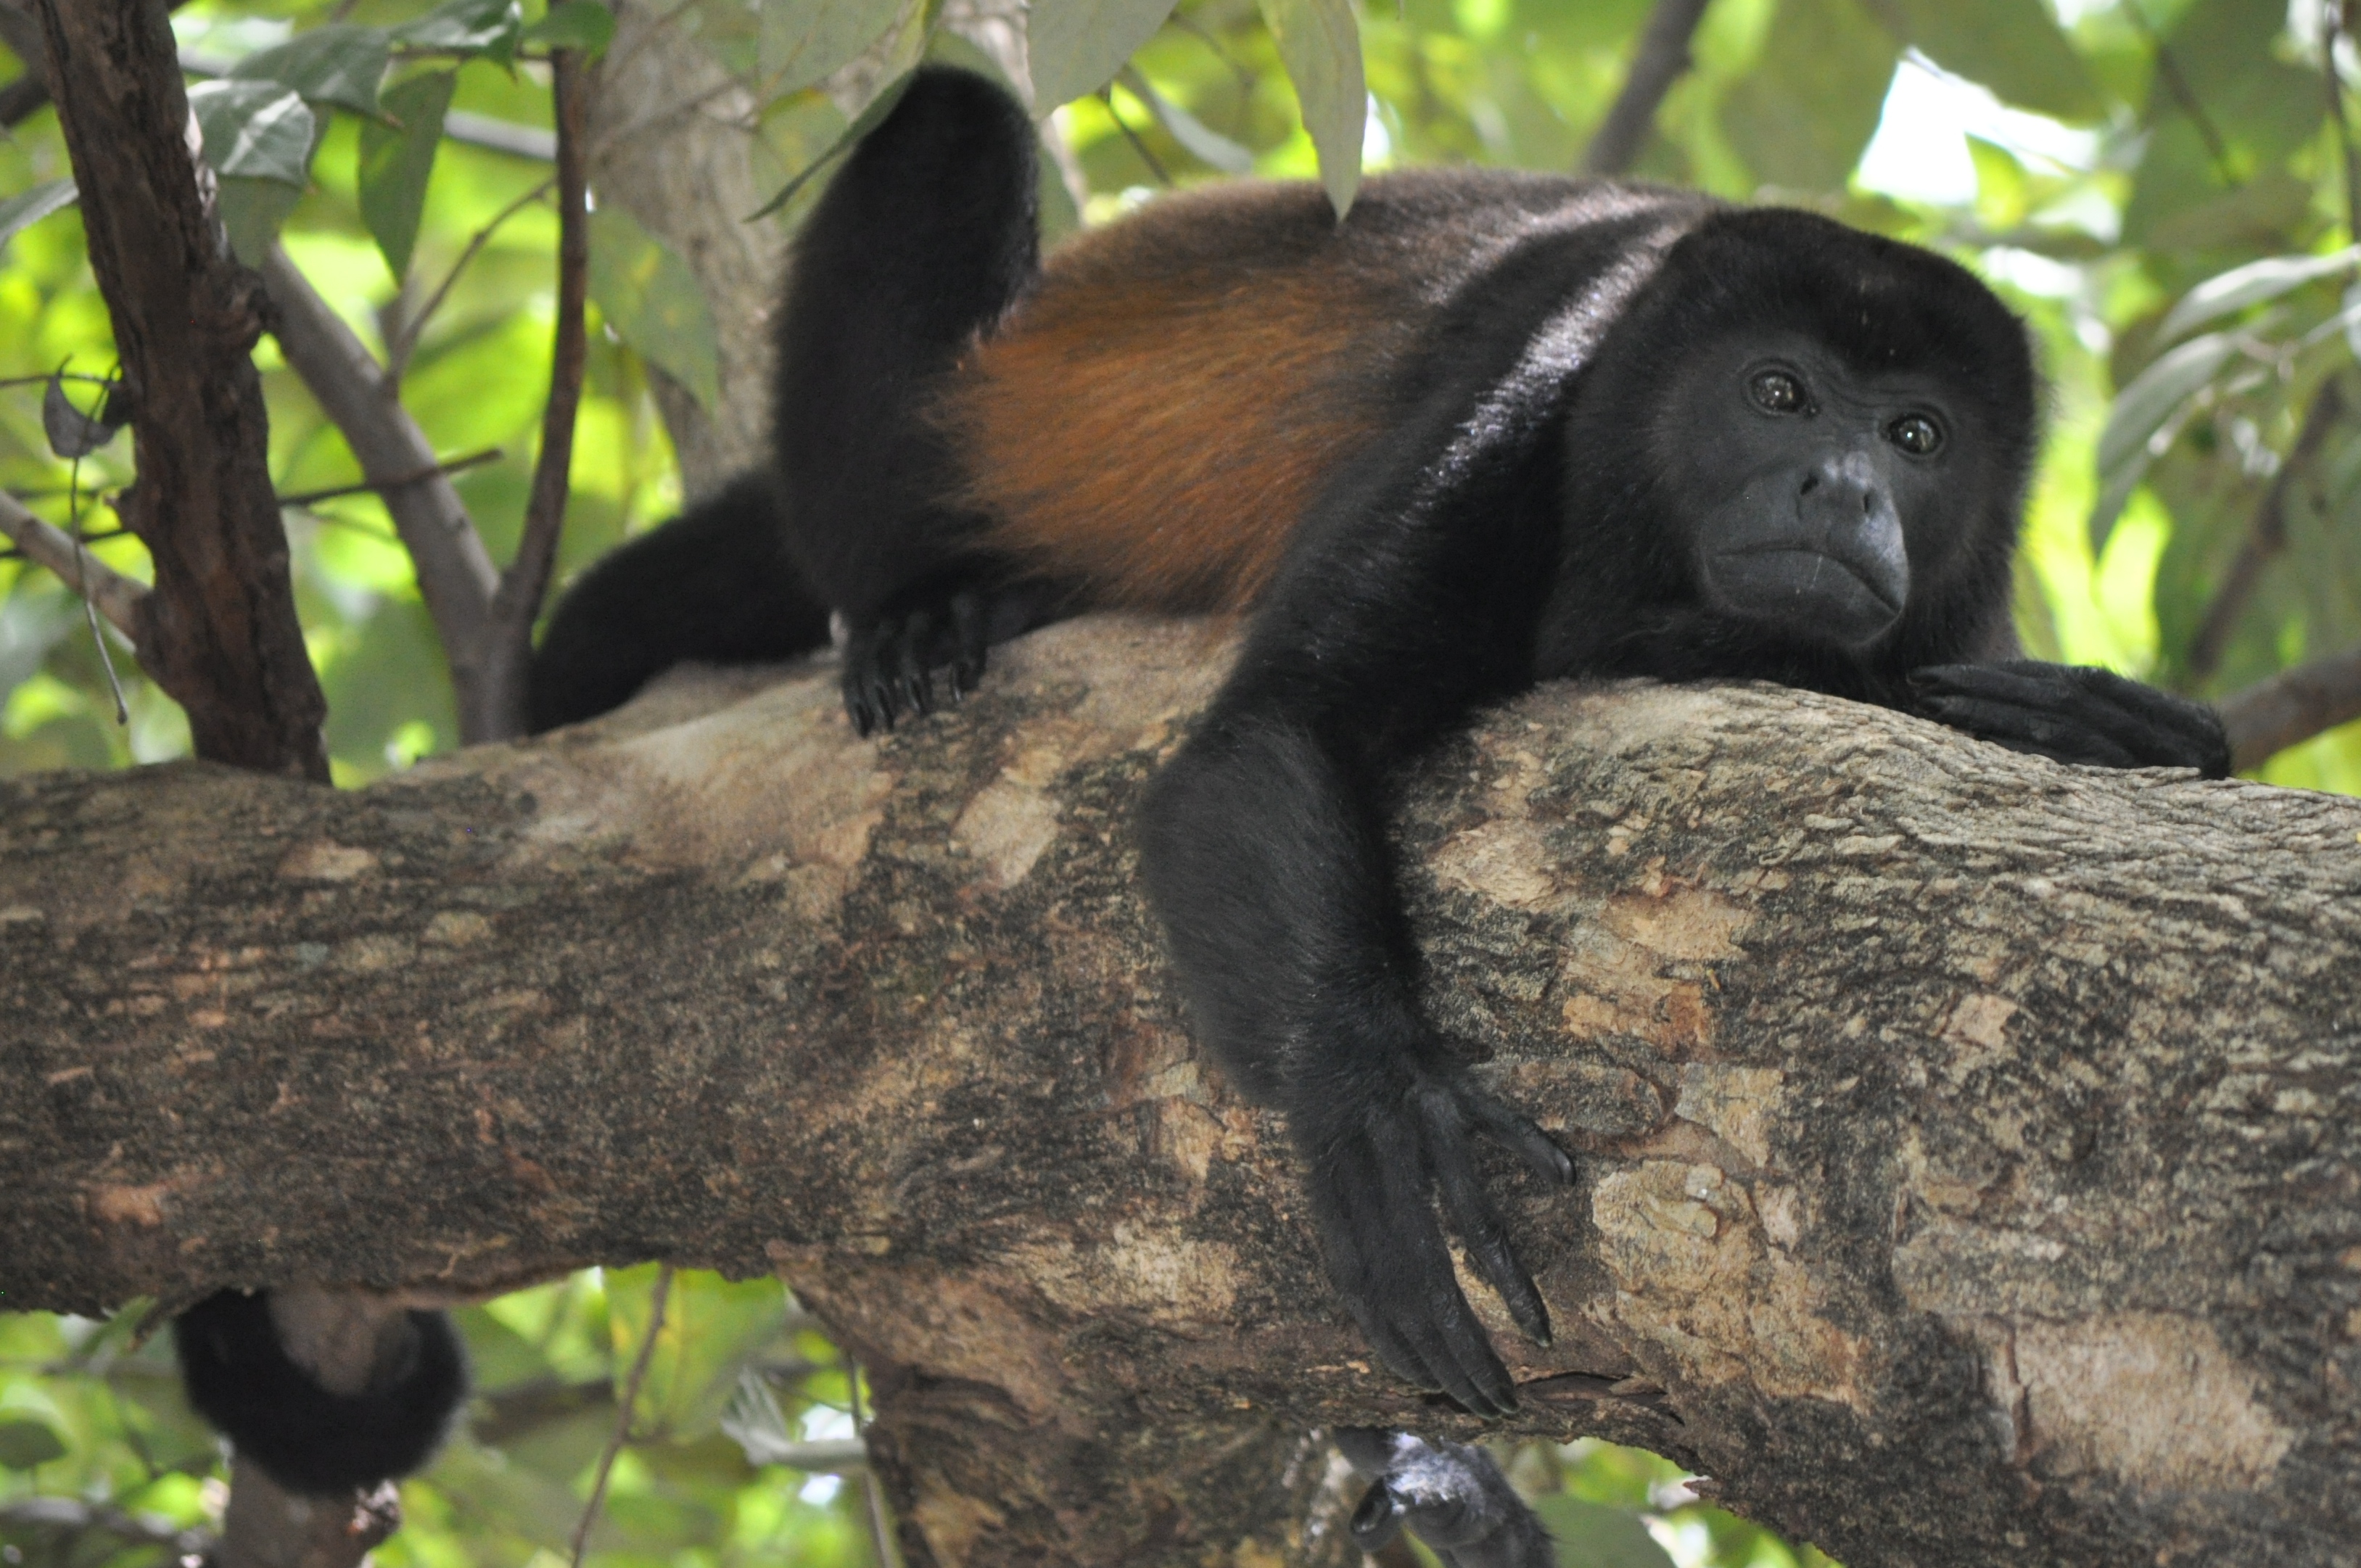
x: 881, y: 1537
x: 398, y: 354
x: 81, y: 587
x: 1662, y: 57
x: 1155, y: 165
x: 2332, y: 23
x: 623, y: 1404
x: 114, y: 595
x: 2168, y: 69
x: 2265, y: 540
x: 454, y: 465
x: 516, y: 603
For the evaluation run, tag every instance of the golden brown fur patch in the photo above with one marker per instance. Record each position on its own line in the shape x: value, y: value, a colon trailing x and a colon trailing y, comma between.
x: 1159, y: 414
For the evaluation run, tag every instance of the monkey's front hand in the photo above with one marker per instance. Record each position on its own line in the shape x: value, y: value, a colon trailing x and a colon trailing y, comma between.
x: 2074, y: 714
x: 1377, y: 1162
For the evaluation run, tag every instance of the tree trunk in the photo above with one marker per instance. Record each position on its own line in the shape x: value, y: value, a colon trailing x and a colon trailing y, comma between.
x: 1969, y: 1162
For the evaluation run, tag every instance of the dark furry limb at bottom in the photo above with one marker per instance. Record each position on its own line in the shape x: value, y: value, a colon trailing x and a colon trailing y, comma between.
x: 1448, y: 1495
x: 308, y: 1439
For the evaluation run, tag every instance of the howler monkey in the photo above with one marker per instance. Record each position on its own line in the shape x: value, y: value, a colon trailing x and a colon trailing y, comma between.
x: 1488, y: 429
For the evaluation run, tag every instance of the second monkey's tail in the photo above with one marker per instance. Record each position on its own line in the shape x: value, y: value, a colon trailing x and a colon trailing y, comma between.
x: 924, y: 239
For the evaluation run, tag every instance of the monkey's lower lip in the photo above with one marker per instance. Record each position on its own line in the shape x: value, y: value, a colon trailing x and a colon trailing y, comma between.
x: 1808, y: 590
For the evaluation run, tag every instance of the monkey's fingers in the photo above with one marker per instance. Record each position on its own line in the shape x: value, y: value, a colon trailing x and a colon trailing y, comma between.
x: 1473, y: 1217
x: 2075, y: 715
x: 912, y: 685
x: 2038, y: 730
x: 967, y: 643
x: 1518, y: 1132
x: 868, y: 694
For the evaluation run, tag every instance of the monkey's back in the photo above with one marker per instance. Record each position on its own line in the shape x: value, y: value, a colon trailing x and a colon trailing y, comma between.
x: 1158, y: 414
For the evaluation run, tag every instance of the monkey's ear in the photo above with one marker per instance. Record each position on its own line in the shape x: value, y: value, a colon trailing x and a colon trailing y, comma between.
x: 309, y: 1438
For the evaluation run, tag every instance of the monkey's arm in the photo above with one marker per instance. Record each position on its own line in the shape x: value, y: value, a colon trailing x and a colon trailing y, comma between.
x: 1399, y: 607
x: 2075, y: 714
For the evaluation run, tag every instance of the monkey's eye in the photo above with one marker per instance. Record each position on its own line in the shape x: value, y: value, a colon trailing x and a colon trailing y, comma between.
x: 1915, y: 433
x: 1778, y: 392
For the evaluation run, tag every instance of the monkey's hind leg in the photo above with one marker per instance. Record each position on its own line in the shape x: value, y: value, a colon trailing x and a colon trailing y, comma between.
x: 922, y: 242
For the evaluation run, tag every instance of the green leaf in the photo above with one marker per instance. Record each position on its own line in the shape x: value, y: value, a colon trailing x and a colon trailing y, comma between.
x: 470, y: 27
x: 24, y: 1444
x: 337, y: 64
x: 28, y: 207
x: 1204, y: 144
x: 2013, y: 47
x: 2229, y: 292
x: 1075, y: 47
x: 868, y: 120
x: 1803, y: 114
x: 802, y: 40
x: 712, y: 1328
x: 396, y: 160
x: 1320, y: 44
x: 255, y: 130
x: 2140, y: 410
x: 651, y: 299
x: 1593, y: 1535
x: 582, y: 25
x: 252, y: 211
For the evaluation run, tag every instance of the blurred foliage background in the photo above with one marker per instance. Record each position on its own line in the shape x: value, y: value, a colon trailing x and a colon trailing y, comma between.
x: 2162, y: 188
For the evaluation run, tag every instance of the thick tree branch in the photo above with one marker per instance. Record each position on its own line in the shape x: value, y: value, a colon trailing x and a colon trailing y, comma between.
x: 1662, y: 57
x: 218, y: 631
x: 1968, y: 1143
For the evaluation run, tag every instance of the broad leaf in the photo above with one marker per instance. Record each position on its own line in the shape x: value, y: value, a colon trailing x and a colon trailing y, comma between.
x: 868, y: 120
x: 30, y: 207
x: 1320, y: 44
x: 2013, y: 47
x: 251, y: 212
x: 1593, y: 1535
x: 802, y: 40
x: 255, y: 130
x: 1075, y: 47
x: 2229, y: 292
x: 71, y: 433
x: 1204, y: 144
x: 2140, y: 410
x: 466, y: 28
x: 582, y: 25
x: 1803, y: 115
x: 24, y: 1444
x: 337, y: 64
x: 651, y: 299
x: 396, y: 160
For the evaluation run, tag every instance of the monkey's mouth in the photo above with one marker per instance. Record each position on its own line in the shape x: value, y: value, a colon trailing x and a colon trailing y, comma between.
x: 1812, y: 592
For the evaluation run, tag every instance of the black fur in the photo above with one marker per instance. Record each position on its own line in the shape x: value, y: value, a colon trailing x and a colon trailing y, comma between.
x: 308, y: 1439
x: 622, y: 622
x: 1585, y: 471
x: 1449, y: 1494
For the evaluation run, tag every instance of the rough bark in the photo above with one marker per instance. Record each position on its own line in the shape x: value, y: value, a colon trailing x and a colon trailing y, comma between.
x: 1967, y: 1144
x: 218, y: 633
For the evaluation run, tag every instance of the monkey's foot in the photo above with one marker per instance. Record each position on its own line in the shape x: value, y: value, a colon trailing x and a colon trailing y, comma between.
x: 1450, y: 1496
x: 889, y: 662
x: 1373, y: 1178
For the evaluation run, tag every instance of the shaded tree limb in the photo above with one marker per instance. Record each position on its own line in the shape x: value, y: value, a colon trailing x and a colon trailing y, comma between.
x: 1661, y: 59
x: 455, y: 574
x: 1969, y: 1169
x: 119, y: 599
x: 218, y: 631
x: 2265, y: 540
x: 2295, y: 705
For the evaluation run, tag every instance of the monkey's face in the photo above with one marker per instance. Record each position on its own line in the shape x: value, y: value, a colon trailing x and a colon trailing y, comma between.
x: 1818, y: 497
